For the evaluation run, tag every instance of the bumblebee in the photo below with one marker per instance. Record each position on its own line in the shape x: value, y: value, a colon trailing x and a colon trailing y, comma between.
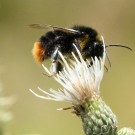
x: 63, y: 40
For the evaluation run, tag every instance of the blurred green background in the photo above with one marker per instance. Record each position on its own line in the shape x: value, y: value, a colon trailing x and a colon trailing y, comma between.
x: 115, y: 20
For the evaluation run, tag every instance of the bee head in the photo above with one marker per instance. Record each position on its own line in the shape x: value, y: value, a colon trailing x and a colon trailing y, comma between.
x: 39, y: 52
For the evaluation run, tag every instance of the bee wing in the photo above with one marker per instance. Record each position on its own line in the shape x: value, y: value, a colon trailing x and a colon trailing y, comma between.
x: 45, y: 26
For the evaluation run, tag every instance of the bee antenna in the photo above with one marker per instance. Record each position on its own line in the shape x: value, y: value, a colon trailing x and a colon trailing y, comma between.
x: 118, y: 45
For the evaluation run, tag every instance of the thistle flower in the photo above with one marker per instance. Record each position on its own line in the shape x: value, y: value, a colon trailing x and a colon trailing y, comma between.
x: 84, y: 83
x: 81, y: 87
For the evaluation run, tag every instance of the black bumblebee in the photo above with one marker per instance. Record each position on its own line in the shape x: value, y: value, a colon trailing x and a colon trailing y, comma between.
x: 86, y: 39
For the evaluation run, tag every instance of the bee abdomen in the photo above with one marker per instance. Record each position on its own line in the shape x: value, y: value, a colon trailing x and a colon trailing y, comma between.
x: 39, y: 52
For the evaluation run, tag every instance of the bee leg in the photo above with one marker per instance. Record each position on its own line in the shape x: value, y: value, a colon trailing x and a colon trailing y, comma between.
x: 56, y: 66
x: 59, y: 66
x: 54, y: 56
x: 107, y: 70
x: 53, y: 68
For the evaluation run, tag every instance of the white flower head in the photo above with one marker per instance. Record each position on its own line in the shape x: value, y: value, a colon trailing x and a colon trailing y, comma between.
x: 79, y: 78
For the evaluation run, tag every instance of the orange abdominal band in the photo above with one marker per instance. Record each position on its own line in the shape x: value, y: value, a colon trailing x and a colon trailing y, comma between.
x: 39, y: 52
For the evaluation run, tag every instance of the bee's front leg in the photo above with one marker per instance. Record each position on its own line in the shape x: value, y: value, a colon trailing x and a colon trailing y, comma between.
x: 56, y: 66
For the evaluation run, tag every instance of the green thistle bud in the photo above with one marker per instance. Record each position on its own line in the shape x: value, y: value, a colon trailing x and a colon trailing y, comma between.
x: 97, y: 117
x: 126, y: 131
